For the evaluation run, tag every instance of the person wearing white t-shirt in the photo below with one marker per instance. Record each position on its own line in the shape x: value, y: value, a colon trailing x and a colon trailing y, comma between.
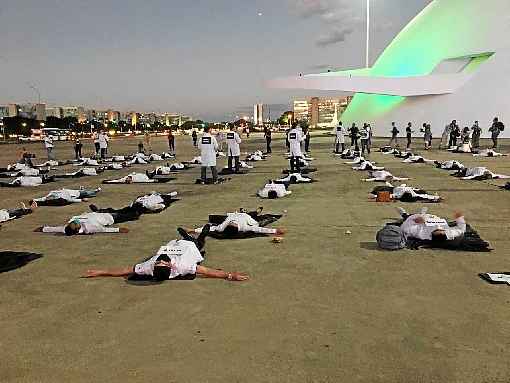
x: 10, y: 214
x: 149, y: 203
x: 178, y: 259
x: 65, y: 197
x: 28, y: 181
x: 133, y: 178
x: 382, y: 176
x: 92, y: 223
x: 103, y: 143
x: 239, y: 222
x: 48, y: 144
x: 273, y: 191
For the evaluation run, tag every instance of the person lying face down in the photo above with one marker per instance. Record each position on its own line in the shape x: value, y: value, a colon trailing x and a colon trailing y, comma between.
x: 175, y: 260
x: 28, y: 181
x: 405, y: 193
x: 478, y: 173
x: 239, y: 222
x: 149, y: 203
x: 382, y: 176
x: 10, y: 214
x: 449, y: 165
x: 63, y: 197
x: 367, y: 165
x: 93, y: 223
x: 414, y: 159
x: 430, y: 227
x: 294, y: 178
x: 273, y: 191
x: 488, y: 153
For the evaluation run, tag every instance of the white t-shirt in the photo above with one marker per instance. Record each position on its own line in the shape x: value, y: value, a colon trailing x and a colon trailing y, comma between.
x: 48, y: 142
x: 90, y: 223
x: 28, y: 181
x: 432, y: 223
x: 279, y: 188
x: 184, y: 257
x: 4, y: 215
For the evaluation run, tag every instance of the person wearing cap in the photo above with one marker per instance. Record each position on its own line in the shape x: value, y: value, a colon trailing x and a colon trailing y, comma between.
x: 208, y: 147
x: 295, y: 140
x: 234, y: 151
x: 178, y: 259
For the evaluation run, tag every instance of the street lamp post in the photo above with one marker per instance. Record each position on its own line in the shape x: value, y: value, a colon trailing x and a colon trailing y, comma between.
x: 368, y: 36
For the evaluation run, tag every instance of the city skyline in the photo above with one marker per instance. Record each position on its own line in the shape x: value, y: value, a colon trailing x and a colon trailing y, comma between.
x: 132, y: 56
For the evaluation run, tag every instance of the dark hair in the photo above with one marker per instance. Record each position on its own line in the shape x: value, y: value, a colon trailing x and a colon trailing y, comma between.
x: 207, y: 128
x: 272, y: 194
x: 70, y: 231
x: 231, y: 231
x: 439, y: 238
x: 161, y: 273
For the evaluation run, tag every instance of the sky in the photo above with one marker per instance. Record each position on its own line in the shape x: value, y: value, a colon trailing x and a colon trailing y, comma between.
x: 205, y: 58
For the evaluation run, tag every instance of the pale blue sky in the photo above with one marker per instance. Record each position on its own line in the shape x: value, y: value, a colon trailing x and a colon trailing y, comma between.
x: 208, y: 58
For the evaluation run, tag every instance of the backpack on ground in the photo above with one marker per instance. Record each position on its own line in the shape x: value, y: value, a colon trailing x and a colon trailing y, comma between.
x: 391, y: 237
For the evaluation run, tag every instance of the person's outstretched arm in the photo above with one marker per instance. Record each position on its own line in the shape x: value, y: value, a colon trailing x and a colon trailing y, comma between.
x: 123, y: 272
x: 207, y: 272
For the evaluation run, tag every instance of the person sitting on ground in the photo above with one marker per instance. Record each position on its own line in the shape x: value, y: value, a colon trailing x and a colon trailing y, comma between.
x: 382, y: 176
x: 93, y: 223
x: 28, y: 181
x: 294, y: 178
x: 272, y: 191
x: 64, y: 197
x: 178, y: 259
x: 367, y: 165
x: 417, y: 160
x: 488, y: 153
x: 10, y: 214
x: 240, y: 222
x: 449, y: 165
x: 146, y: 204
x: 478, y: 174
x: 405, y: 193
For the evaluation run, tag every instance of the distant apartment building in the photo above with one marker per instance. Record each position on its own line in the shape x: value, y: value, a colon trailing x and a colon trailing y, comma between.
x: 4, y: 111
x: 33, y: 111
x: 13, y: 110
x: 54, y: 111
x: 258, y: 114
x: 113, y: 116
x: 185, y: 119
x: 320, y: 112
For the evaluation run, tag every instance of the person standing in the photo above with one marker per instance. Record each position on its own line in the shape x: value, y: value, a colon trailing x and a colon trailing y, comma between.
x: 354, y: 133
x: 394, y: 134
x: 103, y: 143
x: 194, y: 136
x: 95, y: 138
x: 477, y: 132
x: 445, y: 136
x: 409, y: 135
x: 267, y: 136
x: 340, y: 137
x: 247, y: 132
x: 234, y: 151
x: 171, y: 141
x: 48, y: 144
x: 306, y: 132
x: 428, y: 136
x: 370, y: 133
x: 77, y: 148
x: 454, y: 134
x: 295, y: 140
x: 208, y: 148
x: 496, y: 129
x: 364, y: 136
x: 147, y: 139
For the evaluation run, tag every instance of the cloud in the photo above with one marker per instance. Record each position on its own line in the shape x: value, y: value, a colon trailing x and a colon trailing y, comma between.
x: 338, y: 15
